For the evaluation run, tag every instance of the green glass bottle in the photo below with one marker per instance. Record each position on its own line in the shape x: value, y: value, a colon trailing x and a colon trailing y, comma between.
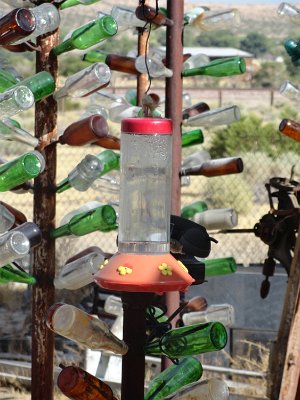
x: 191, y: 209
x: 102, y: 219
x: 71, y: 3
x: 110, y: 160
x: 7, y: 80
x: 41, y: 84
x: 88, y: 35
x: 220, y: 266
x: 10, y: 274
x: 188, y: 370
x: 189, y: 340
x: 20, y: 170
x: 219, y: 67
x: 191, y: 138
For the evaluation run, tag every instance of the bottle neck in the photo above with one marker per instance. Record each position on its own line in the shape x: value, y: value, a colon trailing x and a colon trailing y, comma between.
x: 60, y: 231
x: 63, y: 185
x: 63, y: 47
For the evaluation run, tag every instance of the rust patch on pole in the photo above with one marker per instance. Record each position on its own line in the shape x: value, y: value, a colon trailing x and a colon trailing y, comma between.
x: 44, y: 217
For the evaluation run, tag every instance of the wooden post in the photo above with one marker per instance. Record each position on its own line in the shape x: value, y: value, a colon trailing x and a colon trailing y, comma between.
x: 278, y: 355
x: 291, y: 372
x: 44, y: 216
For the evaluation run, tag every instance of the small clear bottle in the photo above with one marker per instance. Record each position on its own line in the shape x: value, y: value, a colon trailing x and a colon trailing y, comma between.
x: 218, y: 116
x: 83, y: 175
x: 216, y: 20
x: 196, y: 60
x: 290, y: 11
x: 208, y: 389
x: 85, y: 82
x: 223, y: 313
x: 217, y: 218
x: 80, y: 270
x: 9, y: 131
x: 289, y: 90
x: 126, y: 18
x: 13, y: 101
x: 13, y: 245
x: 81, y: 327
x: 153, y: 66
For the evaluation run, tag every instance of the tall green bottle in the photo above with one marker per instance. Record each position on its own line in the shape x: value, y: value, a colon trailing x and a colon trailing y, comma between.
x: 189, y: 340
x: 220, y: 67
x: 41, y: 84
x: 191, y: 138
x: 10, y: 274
x: 188, y: 370
x: 102, y: 218
x: 20, y: 170
x: 220, y: 266
x: 71, y: 3
x: 190, y: 210
x: 88, y: 35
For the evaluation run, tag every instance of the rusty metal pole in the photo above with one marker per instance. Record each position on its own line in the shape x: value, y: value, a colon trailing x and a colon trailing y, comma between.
x: 44, y: 216
x: 174, y: 52
x: 135, y: 304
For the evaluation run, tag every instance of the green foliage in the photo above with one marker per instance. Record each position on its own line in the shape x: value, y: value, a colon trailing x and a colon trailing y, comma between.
x: 222, y: 38
x: 255, y: 43
x: 270, y: 75
x: 250, y: 134
x: 231, y: 191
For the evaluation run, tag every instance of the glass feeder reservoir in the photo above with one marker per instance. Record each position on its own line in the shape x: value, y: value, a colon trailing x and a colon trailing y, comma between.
x: 143, y: 262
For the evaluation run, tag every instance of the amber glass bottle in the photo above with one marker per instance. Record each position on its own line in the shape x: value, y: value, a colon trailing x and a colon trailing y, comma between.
x: 16, y: 25
x: 290, y: 128
x: 217, y: 167
x: 149, y: 14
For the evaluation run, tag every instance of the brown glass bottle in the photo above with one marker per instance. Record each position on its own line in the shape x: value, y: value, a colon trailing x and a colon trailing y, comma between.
x: 77, y: 384
x: 84, y: 131
x: 20, y: 218
x: 194, y: 110
x: 16, y: 25
x: 109, y: 142
x: 149, y: 14
x: 217, y: 167
x: 290, y: 128
x: 121, y: 64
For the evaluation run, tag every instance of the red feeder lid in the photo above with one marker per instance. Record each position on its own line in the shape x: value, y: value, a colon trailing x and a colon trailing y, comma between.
x: 147, y: 126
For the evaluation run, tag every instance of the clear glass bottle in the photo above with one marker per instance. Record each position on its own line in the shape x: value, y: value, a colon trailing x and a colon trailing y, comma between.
x: 7, y: 80
x: 31, y: 231
x: 218, y: 68
x: 85, y: 82
x: 196, y: 60
x: 208, y: 389
x: 47, y: 19
x: 11, y: 274
x: 20, y: 170
x: 11, y: 131
x: 80, y: 271
x: 84, y: 131
x: 190, y: 210
x: 190, y: 16
x: 189, y: 340
x: 188, y: 370
x: 19, y: 217
x: 223, y: 313
x: 196, y: 158
x: 88, y: 35
x: 219, y: 266
x: 217, y: 218
x: 14, y: 101
x: 17, y: 24
x: 290, y: 11
x: 13, y: 245
x: 217, y: 20
x: 81, y: 327
x: 218, y: 116
x: 216, y: 167
x: 289, y: 90
x: 153, y: 66
x: 102, y: 219
x: 119, y: 112
x: 126, y: 18
x: 83, y: 175
x: 106, y: 99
